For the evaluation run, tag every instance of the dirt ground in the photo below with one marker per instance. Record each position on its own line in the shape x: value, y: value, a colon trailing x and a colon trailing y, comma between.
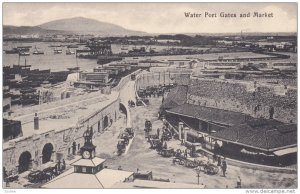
x: 145, y: 159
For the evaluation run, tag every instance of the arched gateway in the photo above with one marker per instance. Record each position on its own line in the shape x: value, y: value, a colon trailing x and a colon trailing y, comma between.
x: 47, y: 153
x: 25, y: 162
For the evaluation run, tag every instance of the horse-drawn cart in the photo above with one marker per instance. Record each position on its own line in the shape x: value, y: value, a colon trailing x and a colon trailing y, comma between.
x: 167, y: 152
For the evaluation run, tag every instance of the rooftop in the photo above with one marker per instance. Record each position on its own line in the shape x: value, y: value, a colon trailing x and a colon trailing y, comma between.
x: 156, y: 185
x: 106, y: 178
x: 62, y: 116
x: 267, y: 135
x: 89, y: 162
x: 208, y: 114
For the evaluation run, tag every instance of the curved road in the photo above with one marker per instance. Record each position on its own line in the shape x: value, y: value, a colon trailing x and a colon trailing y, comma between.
x: 128, y: 93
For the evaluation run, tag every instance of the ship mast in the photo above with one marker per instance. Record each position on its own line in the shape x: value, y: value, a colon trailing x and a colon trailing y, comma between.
x: 77, y: 65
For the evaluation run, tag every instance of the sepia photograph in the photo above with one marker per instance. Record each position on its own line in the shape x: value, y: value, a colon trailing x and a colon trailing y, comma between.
x: 132, y: 95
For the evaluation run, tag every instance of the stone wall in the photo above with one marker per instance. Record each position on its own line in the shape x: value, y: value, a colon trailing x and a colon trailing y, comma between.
x: 246, y: 97
x: 61, y: 140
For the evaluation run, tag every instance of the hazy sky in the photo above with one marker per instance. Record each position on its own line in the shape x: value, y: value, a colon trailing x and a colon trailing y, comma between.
x: 160, y: 17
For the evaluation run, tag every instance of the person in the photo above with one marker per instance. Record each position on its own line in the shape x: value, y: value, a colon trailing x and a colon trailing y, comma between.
x: 59, y: 166
x: 224, y: 167
x: 193, y: 151
x: 219, y: 161
x: 165, y: 145
x: 158, y: 131
x: 64, y: 164
x: 185, y: 153
x: 239, y: 182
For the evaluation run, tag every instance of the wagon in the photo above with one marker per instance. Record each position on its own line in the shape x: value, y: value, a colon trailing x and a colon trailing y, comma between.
x: 146, y: 101
x: 211, y: 169
x: 155, y: 143
x: 167, y: 152
x: 139, y: 102
x: 121, y: 146
x: 35, y: 176
x: 130, y: 132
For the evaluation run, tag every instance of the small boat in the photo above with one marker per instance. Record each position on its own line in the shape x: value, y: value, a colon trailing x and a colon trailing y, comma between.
x: 12, y: 51
x: 124, y: 48
x: 22, y: 53
x: 68, y: 52
x: 72, y: 46
x: 54, y: 45
x: 57, y: 51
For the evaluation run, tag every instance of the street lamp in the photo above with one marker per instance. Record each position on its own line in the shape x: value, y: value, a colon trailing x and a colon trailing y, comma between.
x: 198, y: 171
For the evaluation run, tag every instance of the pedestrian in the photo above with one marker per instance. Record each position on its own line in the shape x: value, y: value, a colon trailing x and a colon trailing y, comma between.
x: 239, y: 182
x: 59, y: 166
x: 165, y: 145
x: 185, y: 153
x: 158, y: 131
x: 219, y: 161
x: 64, y: 164
x: 193, y: 151
x: 224, y: 167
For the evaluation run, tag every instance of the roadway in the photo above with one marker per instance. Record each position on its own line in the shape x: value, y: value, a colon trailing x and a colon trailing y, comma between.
x: 128, y: 93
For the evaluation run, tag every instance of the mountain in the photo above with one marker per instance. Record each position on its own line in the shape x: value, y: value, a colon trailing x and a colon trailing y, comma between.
x: 28, y: 30
x: 77, y: 25
x: 81, y: 25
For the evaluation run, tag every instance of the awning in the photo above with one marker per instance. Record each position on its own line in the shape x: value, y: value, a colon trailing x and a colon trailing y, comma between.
x: 285, y: 151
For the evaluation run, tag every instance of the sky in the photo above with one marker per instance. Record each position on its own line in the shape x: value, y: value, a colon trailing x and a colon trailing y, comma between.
x: 160, y: 17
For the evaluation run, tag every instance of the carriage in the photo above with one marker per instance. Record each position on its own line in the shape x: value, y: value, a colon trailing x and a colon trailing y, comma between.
x: 167, y: 152
x: 146, y: 101
x: 211, y: 169
x: 35, y: 176
x: 130, y: 132
x: 121, y: 146
x: 131, y: 103
x: 155, y: 144
x: 166, y: 136
x: 139, y: 102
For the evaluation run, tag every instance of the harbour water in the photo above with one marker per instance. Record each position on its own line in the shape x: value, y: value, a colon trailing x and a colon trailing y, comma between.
x: 55, y: 62
x: 60, y: 62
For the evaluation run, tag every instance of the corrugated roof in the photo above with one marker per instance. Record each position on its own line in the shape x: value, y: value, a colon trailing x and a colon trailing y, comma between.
x: 261, y: 134
x: 210, y: 114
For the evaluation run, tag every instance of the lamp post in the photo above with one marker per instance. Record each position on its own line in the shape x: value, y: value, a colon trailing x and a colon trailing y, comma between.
x: 198, y: 171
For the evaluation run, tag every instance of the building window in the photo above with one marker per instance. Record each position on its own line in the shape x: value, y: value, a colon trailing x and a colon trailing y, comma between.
x: 83, y: 169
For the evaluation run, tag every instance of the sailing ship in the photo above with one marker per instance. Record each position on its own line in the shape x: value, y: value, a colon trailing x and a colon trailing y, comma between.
x: 37, y: 52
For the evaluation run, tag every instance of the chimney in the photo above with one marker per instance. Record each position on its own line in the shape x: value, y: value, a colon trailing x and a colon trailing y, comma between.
x: 36, y: 122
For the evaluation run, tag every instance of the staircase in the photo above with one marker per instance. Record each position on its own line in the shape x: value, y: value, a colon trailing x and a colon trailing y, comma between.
x: 69, y: 138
